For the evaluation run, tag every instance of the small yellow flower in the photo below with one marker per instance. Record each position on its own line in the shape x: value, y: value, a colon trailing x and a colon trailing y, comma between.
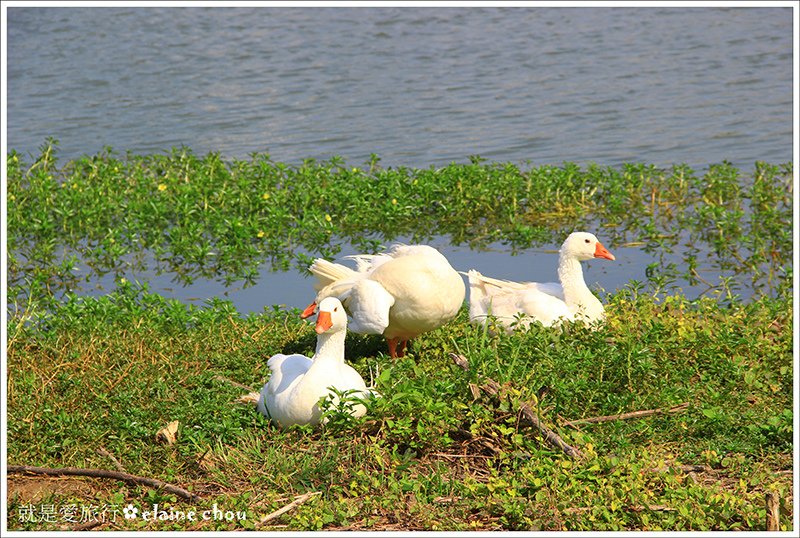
x: 265, y: 196
x: 261, y: 233
x: 123, y: 280
x: 162, y: 187
x: 12, y: 197
x: 327, y: 217
x: 394, y: 201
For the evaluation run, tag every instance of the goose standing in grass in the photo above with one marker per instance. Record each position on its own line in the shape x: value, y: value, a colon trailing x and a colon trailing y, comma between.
x: 548, y: 303
x: 400, y: 294
x: 297, y: 382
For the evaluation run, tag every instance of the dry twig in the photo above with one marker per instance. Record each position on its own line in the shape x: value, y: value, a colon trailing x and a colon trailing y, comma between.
x: 103, y: 452
x: 492, y: 388
x: 549, y: 435
x: 280, y: 511
x: 633, y: 414
x: 104, y: 473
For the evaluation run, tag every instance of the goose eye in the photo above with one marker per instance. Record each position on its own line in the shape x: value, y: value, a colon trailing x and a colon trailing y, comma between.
x: 336, y: 309
x: 587, y: 240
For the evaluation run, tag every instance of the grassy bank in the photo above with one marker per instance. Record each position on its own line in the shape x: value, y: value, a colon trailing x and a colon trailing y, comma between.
x: 92, y: 380
x: 108, y: 373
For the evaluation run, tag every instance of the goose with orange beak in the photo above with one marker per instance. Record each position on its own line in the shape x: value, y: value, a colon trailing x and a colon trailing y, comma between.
x: 513, y: 304
x: 407, y: 291
x: 297, y: 383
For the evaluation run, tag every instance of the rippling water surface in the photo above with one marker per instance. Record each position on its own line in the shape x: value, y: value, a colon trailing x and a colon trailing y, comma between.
x: 416, y: 86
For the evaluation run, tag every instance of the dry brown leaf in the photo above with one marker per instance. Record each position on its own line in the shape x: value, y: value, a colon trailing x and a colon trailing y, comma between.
x: 249, y: 398
x: 169, y: 433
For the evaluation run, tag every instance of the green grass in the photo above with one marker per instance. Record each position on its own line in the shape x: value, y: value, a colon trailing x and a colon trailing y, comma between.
x: 86, y: 374
x: 110, y: 372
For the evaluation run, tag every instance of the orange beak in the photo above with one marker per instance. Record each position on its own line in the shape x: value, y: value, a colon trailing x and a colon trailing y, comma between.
x: 602, y: 252
x: 324, y: 322
x: 309, y: 311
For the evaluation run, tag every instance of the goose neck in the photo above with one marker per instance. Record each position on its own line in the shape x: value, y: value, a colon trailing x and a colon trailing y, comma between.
x: 331, y: 346
x: 570, y: 274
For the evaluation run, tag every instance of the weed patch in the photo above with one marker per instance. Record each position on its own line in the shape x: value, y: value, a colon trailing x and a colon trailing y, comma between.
x: 109, y: 372
x: 92, y: 380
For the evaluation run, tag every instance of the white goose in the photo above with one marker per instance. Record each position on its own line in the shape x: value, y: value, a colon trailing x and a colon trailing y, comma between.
x: 547, y: 303
x: 400, y: 294
x: 297, y: 382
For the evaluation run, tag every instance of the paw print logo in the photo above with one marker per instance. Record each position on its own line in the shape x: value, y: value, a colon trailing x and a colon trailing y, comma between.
x: 130, y: 511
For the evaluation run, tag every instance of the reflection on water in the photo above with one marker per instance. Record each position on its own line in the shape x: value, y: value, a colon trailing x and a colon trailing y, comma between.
x: 657, y: 268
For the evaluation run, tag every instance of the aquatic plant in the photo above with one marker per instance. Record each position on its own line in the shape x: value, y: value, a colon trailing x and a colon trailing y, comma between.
x: 208, y: 217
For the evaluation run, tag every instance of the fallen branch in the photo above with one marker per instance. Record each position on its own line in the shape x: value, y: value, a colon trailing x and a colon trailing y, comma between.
x: 103, y: 452
x: 104, y: 473
x: 633, y: 414
x: 492, y: 388
x: 446, y: 500
x: 701, y: 279
x: 450, y: 456
x: 549, y: 435
x: 280, y: 511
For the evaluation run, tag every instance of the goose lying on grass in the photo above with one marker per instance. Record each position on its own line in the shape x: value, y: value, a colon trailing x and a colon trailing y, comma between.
x: 547, y: 303
x: 297, y: 383
x: 400, y: 294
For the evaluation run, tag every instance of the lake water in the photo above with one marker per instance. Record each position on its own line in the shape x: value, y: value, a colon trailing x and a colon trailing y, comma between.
x: 416, y: 86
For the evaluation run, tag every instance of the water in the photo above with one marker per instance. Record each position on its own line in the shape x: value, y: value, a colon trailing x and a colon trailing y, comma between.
x: 416, y: 86
x: 293, y: 289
